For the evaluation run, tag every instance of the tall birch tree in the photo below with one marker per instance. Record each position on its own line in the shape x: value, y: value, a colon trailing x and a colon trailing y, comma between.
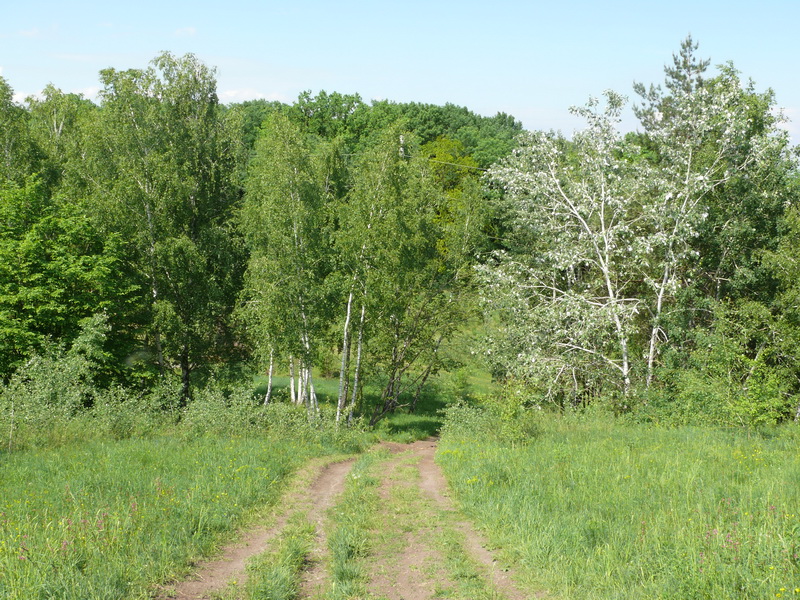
x: 162, y: 167
x: 407, y: 247
x: 286, y: 225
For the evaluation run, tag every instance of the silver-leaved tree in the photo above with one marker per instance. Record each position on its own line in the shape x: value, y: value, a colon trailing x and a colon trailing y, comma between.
x: 601, y: 229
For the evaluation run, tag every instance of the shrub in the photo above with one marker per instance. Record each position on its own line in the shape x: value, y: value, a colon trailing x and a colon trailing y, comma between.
x: 506, y: 418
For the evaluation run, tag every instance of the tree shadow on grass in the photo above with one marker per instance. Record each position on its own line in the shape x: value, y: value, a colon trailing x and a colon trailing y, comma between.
x: 424, y: 422
x: 401, y: 426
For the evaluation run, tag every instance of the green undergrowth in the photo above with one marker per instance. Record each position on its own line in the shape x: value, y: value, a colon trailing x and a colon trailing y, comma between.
x: 406, y: 424
x: 29, y: 421
x: 406, y: 427
x: 592, y: 508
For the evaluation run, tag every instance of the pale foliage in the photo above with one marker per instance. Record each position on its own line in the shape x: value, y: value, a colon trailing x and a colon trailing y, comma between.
x: 601, y: 232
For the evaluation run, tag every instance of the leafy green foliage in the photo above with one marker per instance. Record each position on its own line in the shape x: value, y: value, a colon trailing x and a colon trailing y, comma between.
x: 409, y: 243
x: 506, y: 418
x: 736, y: 374
x: 57, y: 125
x: 163, y: 172
x: 55, y: 270
x: 253, y: 114
x: 621, y: 256
x: 18, y: 152
x: 61, y: 382
x: 327, y: 116
x: 486, y: 139
x: 287, y: 229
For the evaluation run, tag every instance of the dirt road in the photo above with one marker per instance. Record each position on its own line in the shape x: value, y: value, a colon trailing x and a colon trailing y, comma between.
x: 421, y: 547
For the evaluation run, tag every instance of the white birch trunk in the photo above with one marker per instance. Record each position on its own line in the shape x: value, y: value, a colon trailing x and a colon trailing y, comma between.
x: 312, y: 394
x: 301, y: 380
x: 304, y: 384
x: 651, y: 355
x: 344, y: 375
x: 291, y: 380
x: 357, y: 372
x: 269, y: 376
x: 622, y: 338
x: 308, y: 386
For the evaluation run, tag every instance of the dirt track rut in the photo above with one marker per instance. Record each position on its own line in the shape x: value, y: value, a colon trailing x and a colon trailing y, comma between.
x: 423, y: 549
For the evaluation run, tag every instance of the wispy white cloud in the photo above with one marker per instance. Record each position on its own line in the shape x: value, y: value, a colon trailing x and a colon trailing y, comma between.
x: 20, y: 97
x: 186, y: 32
x: 241, y: 95
x: 89, y: 93
x: 37, y: 33
x: 34, y: 33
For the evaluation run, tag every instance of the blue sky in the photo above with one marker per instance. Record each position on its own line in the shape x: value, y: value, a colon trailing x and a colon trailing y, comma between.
x: 531, y: 59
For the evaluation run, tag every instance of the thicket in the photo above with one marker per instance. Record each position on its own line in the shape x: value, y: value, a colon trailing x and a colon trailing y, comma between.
x: 328, y: 235
x: 54, y: 400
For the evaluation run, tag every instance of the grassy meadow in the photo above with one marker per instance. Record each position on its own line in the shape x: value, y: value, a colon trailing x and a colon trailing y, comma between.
x: 112, y: 501
x: 107, y: 519
x: 592, y: 508
x: 107, y: 502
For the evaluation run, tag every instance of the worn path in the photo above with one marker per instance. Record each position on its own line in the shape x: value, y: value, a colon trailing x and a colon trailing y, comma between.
x: 439, y: 553
x: 312, y: 491
x: 422, y: 547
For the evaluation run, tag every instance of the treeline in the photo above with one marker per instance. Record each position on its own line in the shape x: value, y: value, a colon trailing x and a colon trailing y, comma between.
x: 159, y: 234
x: 177, y: 234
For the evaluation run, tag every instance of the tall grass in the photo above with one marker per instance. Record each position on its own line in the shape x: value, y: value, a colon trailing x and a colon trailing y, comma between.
x: 597, y: 509
x: 87, y: 511
x: 276, y: 575
x: 108, y: 519
x: 105, y: 493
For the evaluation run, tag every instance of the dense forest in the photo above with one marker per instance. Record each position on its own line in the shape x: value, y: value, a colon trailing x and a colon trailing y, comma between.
x: 159, y: 239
